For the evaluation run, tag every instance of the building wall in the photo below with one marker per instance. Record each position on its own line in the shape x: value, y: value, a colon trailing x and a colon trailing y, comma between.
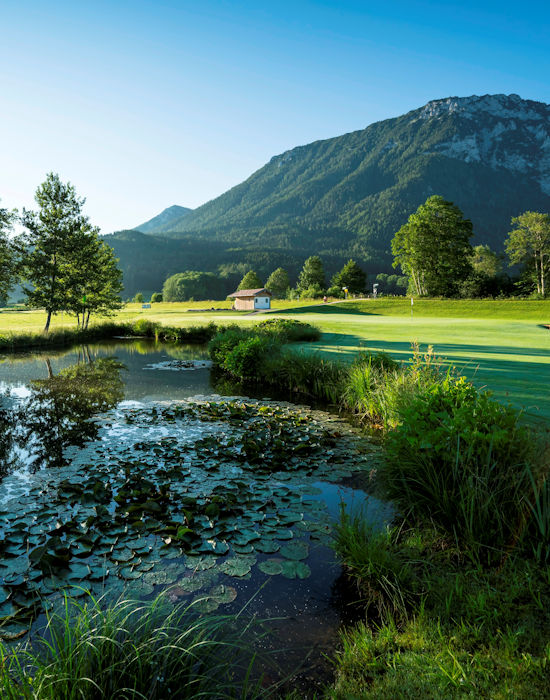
x: 262, y: 302
x: 244, y: 303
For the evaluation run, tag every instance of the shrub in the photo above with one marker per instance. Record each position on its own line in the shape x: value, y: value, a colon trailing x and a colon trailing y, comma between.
x: 461, y: 458
x: 145, y: 328
x: 224, y: 341
x: 289, y: 331
x: 244, y: 360
x: 313, y: 292
x: 335, y: 292
x: 156, y: 298
x: 138, y: 298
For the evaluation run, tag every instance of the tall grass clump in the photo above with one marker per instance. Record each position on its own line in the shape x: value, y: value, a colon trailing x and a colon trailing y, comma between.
x: 375, y: 561
x: 289, y: 330
x: 58, y: 338
x: 463, y: 460
x: 131, y: 650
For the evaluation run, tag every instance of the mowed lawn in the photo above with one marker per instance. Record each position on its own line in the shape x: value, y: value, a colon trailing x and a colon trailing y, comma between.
x: 500, y: 344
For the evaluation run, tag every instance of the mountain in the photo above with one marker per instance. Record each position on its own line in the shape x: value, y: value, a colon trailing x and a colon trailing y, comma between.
x: 347, y: 196
x: 167, y: 218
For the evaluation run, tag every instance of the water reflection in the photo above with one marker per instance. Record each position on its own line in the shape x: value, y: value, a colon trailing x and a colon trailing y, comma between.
x: 59, y: 411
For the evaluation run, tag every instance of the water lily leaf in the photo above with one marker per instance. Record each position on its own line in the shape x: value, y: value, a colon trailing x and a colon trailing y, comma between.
x: 223, y: 594
x: 295, y: 569
x: 267, y: 546
x: 295, y: 550
x: 201, y: 563
x: 236, y: 566
x: 284, y: 534
x: 271, y: 567
x: 129, y: 573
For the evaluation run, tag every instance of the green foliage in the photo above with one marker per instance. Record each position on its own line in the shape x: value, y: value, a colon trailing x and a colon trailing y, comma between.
x: 67, y: 265
x: 312, y: 277
x: 433, y: 248
x: 138, y: 298
x: 486, y: 261
x: 250, y: 281
x: 376, y: 562
x: 133, y: 650
x: 289, y: 330
x: 529, y: 243
x: 463, y: 460
x: 313, y: 292
x: 244, y: 360
x: 156, y: 298
x: 352, y: 277
x: 8, y: 254
x: 192, y: 284
x: 278, y: 283
x: 335, y: 292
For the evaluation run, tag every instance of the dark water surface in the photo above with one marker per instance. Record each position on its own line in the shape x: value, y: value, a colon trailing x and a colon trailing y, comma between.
x: 126, y: 472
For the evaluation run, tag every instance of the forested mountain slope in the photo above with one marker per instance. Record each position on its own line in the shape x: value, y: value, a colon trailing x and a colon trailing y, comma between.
x: 346, y: 196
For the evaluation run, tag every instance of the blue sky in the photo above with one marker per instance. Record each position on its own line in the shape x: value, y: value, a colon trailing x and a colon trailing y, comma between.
x: 146, y: 104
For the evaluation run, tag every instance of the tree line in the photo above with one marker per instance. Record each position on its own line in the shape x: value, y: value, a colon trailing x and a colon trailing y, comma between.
x: 59, y: 258
x: 433, y: 249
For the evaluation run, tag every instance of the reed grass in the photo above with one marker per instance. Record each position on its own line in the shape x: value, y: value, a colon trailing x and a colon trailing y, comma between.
x: 132, y: 650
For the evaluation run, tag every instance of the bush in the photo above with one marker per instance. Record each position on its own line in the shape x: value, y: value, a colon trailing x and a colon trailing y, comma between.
x: 146, y: 328
x: 156, y: 298
x: 462, y: 459
x: 138, y: 298
x: 335, y: 292
x: 289, y: 331
x: 313, y: 292
x: 244, y: 360
x: 224, y: 341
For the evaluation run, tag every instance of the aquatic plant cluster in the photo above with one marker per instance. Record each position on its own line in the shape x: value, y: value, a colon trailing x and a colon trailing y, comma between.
x: 457, y: 592
x: 192, y: 495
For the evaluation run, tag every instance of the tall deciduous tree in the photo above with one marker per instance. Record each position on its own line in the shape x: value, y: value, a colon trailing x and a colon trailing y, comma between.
x: 486, y: 262
x: 278, y: 283
x: 312, y: 274
x: 54, y: 234
x: 350, y: 276
x: 8, y: 255
x: 433, y: 248
x: 529, y: 243
x: 95, y: 281
x: 250, y: 281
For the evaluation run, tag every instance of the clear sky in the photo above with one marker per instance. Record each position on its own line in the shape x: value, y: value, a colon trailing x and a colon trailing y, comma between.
x: 144, y: 104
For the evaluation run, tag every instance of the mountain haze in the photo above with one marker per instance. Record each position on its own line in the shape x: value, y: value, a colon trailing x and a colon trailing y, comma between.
x: 347, y: 196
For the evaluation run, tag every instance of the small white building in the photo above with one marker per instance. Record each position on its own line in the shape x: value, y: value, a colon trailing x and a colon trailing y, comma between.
x: 252, y: 299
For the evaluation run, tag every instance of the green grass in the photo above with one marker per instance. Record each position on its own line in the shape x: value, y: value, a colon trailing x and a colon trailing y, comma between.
x: 499, y: 344
x: 132, y: 650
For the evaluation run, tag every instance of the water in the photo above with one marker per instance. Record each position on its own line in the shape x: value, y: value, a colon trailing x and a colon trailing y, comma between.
x: 128, y: 473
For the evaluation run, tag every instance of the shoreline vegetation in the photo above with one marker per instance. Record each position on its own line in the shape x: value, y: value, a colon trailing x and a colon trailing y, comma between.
x: 455, y: 596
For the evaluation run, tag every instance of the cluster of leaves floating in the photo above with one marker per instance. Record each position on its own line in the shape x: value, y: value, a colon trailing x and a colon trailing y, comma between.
x: 128, y: 517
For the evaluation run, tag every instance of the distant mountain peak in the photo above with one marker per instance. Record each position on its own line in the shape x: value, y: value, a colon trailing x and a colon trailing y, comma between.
x: 164, y: 219
x: 500, y: 106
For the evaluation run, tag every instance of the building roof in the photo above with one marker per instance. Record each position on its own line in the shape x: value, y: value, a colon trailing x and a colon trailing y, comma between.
x: 250, y: 292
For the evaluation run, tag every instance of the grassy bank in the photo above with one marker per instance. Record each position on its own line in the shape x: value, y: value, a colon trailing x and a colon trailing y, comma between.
x: 457, y: 594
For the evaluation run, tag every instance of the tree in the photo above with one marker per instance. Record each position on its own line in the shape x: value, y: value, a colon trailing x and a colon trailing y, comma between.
x: 312, y: 274
x: 486, y: 261
x: 433, y: 248
x: 192, y: 284
x: 95, y: 281
x: 156, y: 298
x: 250, y: 281
x: 8, y: 257
x: 352, y: 277
x: 54, y: 234
x: 529, y: 243
x: 138, y: 298
x: 278, y: 283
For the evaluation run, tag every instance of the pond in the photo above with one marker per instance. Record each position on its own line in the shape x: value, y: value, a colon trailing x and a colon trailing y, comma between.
x: 126, y: 472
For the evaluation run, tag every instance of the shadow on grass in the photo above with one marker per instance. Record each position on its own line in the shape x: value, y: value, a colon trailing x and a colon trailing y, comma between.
x: 327, y: 309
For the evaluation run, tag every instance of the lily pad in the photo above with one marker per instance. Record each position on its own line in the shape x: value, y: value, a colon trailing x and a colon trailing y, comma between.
x: 236, y: 566
x: 295, y: 569
x: 271, y: 567
x: 295, y: 550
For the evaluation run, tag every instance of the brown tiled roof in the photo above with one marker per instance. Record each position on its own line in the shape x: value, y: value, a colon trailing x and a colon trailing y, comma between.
x: 250, y: 292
